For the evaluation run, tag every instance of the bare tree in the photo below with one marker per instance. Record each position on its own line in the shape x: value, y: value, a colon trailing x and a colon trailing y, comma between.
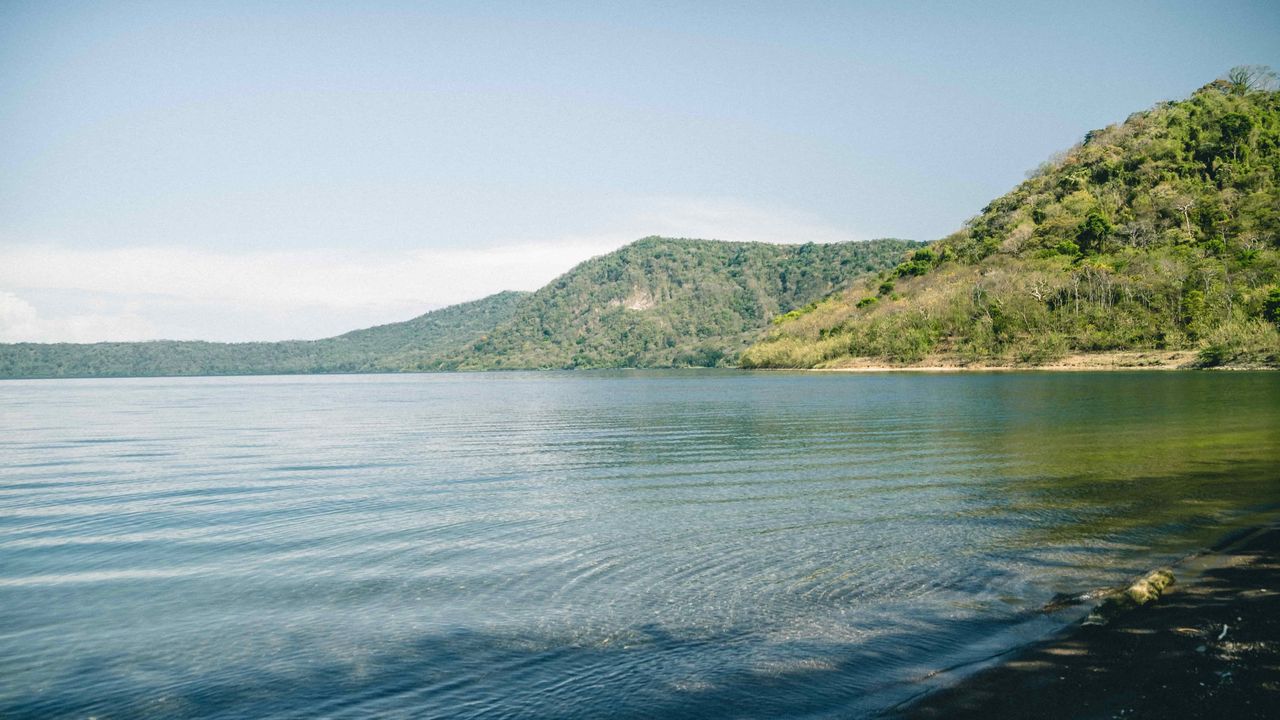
x: 1245, y: 79
x: 1139, y: 232
x: 1184, y: 206
x: 1039, y: 288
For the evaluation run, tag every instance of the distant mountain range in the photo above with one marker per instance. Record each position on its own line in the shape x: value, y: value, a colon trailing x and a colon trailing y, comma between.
x: 369, y: 350
x: 657, y: 302
x: 1160, y: 233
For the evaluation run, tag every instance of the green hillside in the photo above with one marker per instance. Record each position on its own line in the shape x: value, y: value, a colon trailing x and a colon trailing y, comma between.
x: 663, y: 302
x: 1161, y: 232
x: 371, y: 349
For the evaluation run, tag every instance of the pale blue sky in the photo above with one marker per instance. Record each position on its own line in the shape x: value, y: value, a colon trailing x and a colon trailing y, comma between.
x: 270, y: 170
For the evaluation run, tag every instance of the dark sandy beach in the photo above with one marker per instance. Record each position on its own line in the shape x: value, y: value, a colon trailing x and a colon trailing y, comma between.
x: 1210, y: 648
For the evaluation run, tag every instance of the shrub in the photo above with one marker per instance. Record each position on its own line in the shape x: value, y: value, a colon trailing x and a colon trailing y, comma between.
x: 1041, y: 349
x: 1242, y: 342
x: 1271, y: 306
x: 1068, y: 248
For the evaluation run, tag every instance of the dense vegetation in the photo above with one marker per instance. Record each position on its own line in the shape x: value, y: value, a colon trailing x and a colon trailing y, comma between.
x: 662, y: 302
x: 372, y: 349
x: 1162, y: 232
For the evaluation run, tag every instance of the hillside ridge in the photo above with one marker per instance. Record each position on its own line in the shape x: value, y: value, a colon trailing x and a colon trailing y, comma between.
x: 1158, y: 233
x: 667, y: 302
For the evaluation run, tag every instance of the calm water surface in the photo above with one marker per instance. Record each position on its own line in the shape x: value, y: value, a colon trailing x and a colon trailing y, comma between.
x: 581, y: 545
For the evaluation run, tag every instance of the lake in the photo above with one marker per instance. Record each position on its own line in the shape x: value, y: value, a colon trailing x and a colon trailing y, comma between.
x: 680, y: 544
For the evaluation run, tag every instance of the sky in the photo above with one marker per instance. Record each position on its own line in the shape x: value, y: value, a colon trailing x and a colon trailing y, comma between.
x: 263, y: 171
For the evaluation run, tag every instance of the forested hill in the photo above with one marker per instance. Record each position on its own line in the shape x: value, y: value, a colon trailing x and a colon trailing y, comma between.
x: 372, y: 349
x: 1161, y: 232
x: 662, y: 302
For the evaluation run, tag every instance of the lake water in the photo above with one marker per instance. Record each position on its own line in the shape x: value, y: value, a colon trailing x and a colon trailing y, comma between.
x: 584, y: 545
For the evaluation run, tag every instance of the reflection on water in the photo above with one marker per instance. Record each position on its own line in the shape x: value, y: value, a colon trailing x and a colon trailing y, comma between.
x: 583, y: 544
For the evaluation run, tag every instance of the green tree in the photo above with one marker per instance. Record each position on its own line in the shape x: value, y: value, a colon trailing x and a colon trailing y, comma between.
x: 1271, y: 305
x: 1093, y: 232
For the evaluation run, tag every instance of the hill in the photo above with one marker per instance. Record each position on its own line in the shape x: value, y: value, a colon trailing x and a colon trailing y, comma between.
x: 1160, y: 233
x: 662, y: 302
x: 370, y: 349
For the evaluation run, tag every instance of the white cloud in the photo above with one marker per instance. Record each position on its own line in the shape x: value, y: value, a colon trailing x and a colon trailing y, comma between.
x: 284, y: 279
x: 257, y: 295
x: 18, y: 318
x: 153, y: 291
x: 21, y: 322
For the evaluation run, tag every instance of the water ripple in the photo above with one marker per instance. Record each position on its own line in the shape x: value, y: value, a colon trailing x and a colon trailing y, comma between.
x: 581, y: 545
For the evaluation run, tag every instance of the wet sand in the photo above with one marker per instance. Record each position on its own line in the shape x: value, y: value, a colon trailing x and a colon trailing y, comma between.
x: 1210, y: 648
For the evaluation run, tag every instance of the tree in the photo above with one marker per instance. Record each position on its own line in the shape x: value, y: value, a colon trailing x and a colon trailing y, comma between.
x: 1271, y: 306
x: 1245, y: 79
x: 1093, y: 231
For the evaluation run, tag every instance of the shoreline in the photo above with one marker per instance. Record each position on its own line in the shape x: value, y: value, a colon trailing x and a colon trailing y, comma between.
x: 1111, y: 361
x: 1078, y: 362
x: 1210, y: 647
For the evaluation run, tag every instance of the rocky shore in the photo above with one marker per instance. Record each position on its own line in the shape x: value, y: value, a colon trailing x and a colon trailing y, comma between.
x: 1208, y: 648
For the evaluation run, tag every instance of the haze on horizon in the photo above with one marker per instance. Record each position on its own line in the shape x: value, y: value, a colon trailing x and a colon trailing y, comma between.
x: 240, y: 171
